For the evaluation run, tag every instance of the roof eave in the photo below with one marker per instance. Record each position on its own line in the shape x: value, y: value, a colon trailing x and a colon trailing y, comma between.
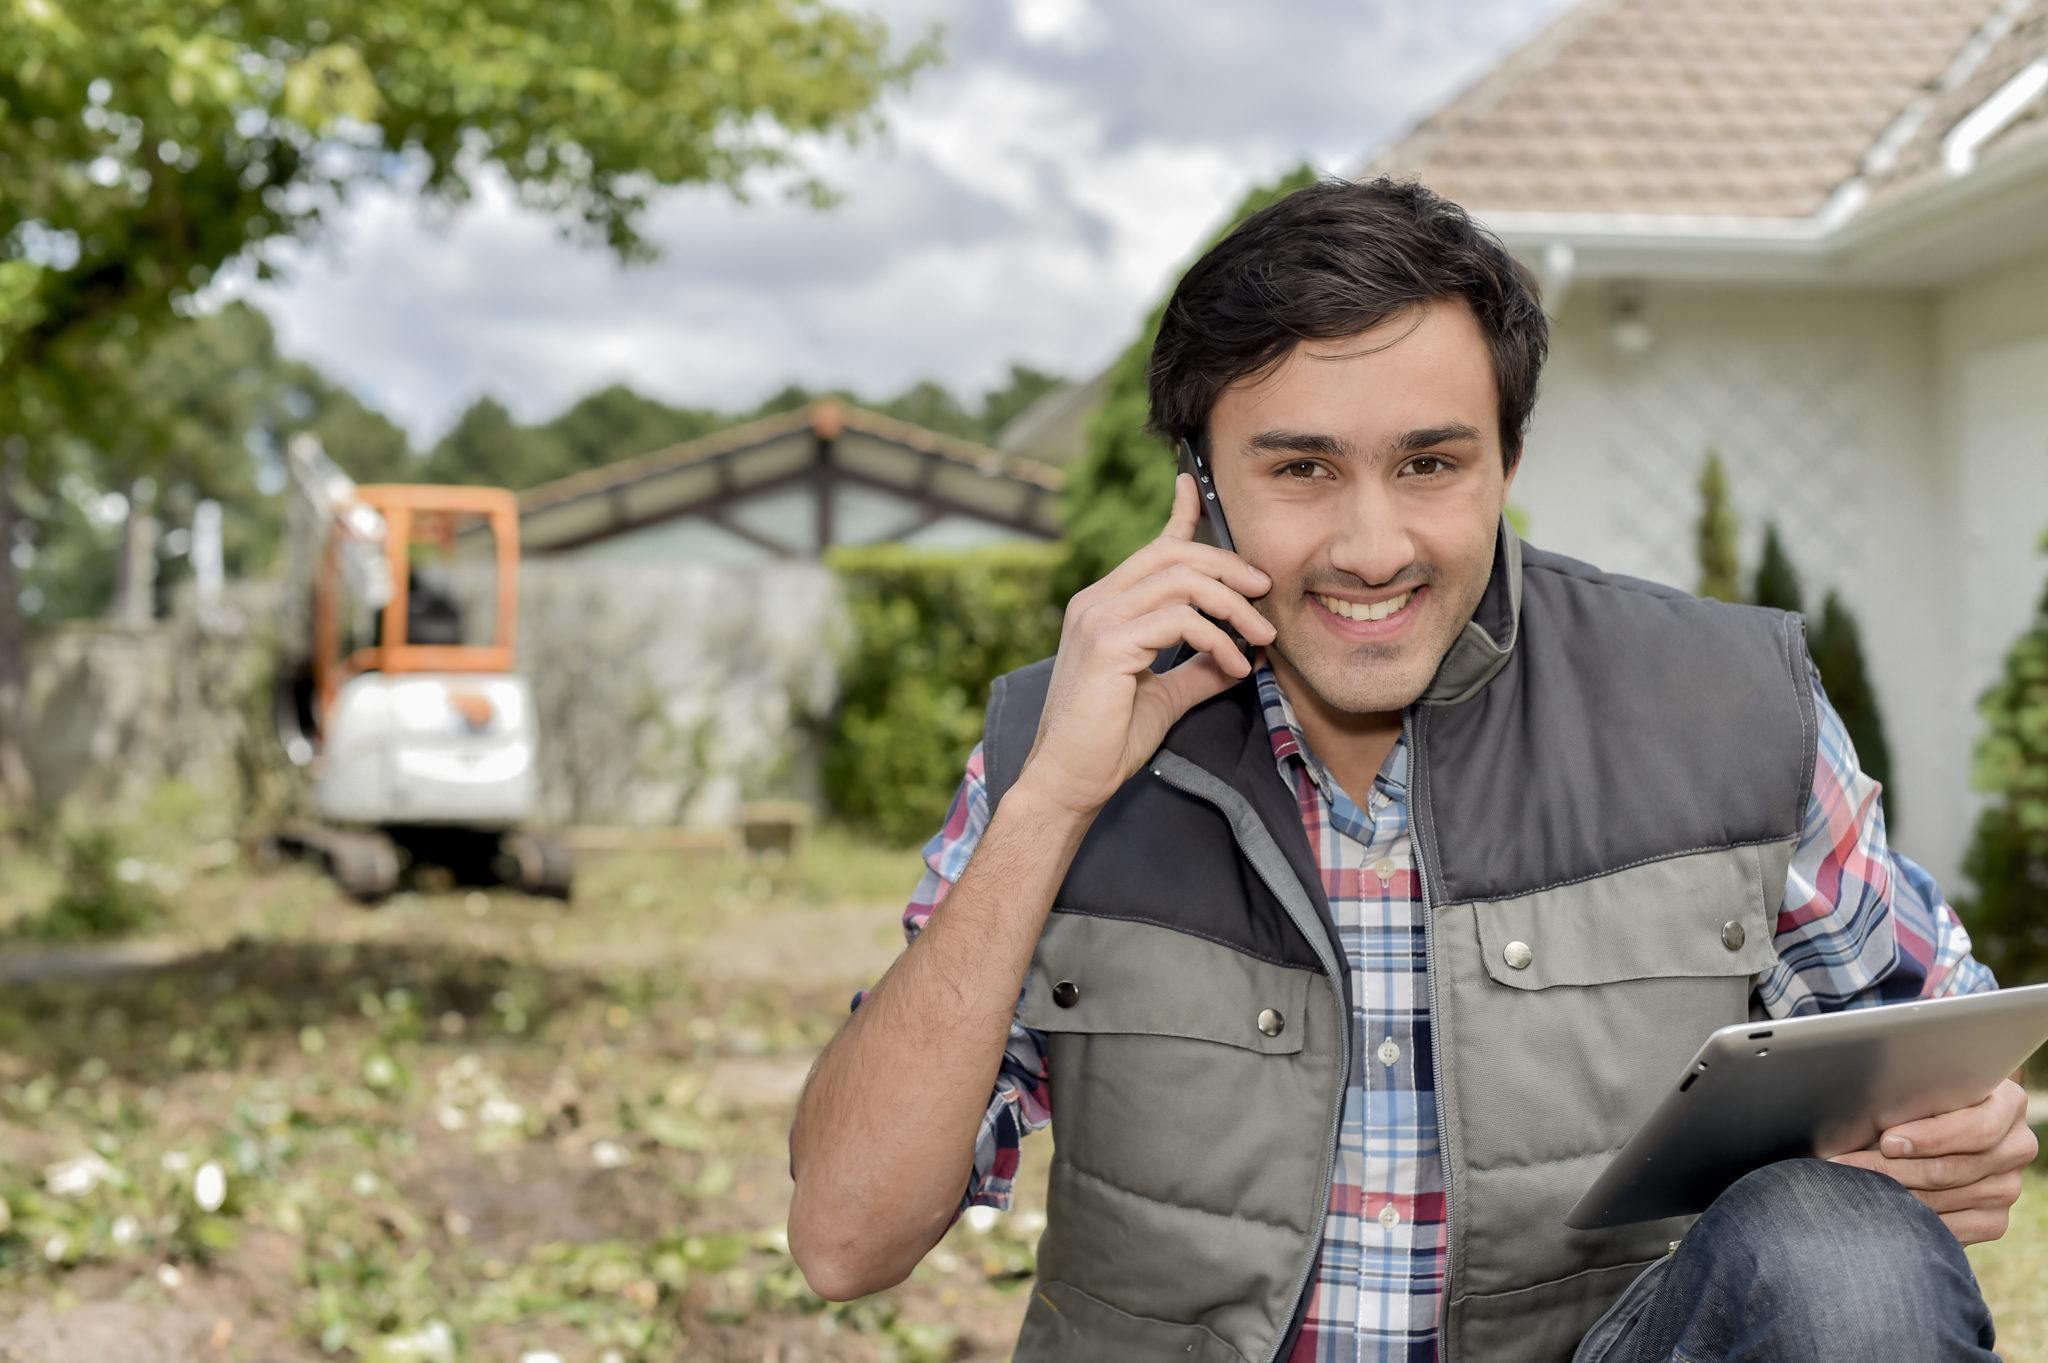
x: 1847, y: 244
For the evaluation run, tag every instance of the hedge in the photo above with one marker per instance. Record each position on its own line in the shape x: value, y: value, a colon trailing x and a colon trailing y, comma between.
x: 931, y: 629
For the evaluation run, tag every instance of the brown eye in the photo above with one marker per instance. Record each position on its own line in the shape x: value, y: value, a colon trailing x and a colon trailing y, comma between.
x: 1440, y: 463
x: 1290, y: 470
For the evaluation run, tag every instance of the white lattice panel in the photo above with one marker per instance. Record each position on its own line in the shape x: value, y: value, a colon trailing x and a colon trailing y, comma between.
x: 1788, y: 420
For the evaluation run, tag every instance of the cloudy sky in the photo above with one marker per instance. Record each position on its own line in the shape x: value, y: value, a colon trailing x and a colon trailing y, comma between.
x: 1033, y: 195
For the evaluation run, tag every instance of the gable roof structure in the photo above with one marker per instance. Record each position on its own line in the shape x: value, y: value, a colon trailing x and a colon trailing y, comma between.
x: 1821, y: 141
x: 820, y: 454
x: 1054, y: 429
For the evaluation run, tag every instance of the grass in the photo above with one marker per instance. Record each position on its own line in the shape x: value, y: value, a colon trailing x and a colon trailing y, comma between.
x: 472, y: 1126
x: 464, y: 1125
x: 2014, y: 1275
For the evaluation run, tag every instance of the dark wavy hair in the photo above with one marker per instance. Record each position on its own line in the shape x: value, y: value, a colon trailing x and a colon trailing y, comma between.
x: 1328, y: 261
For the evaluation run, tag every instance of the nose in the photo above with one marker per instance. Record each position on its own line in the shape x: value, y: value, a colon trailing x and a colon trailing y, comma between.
x: 1373, y: 544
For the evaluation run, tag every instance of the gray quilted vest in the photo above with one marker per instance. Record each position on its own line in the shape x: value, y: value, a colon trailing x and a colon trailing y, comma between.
x: 1607, y: 773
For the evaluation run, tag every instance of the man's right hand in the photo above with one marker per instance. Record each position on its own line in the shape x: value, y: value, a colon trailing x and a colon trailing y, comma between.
x: 1106, y: 711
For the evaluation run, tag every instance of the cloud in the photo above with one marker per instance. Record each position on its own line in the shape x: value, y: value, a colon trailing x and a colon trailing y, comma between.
x: 1065, y: 25
x: 1031, y: 199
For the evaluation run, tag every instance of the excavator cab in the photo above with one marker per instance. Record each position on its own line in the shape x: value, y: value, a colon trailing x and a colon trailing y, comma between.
x: 408, y: 709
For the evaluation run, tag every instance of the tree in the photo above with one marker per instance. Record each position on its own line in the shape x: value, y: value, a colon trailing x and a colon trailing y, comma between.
x: 1837, y: 649
x: 369, y: 446
x: 1715, y: 536
x: 788, y: 398
x: 1004, y: 404
x: 1119, y: 492
x: 2008, y: 855
x: 1777, y: 581
x: 148, y: 143
x: 929, y: 405
x: 487, y: 446
x: 617, y: 422
x: 204, y: 414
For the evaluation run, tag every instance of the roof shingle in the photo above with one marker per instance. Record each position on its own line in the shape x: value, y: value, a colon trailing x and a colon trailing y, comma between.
x: 1742, y: 108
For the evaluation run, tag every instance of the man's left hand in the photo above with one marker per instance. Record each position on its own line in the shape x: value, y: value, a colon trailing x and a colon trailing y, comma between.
x: 1964, y: 1164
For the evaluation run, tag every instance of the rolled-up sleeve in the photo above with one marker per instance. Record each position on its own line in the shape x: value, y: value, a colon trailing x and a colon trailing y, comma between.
x: 1021, y: 1102
x: 1860, y: 924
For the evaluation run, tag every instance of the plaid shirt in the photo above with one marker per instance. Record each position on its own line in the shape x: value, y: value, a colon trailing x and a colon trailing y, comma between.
x: 1859, y: 925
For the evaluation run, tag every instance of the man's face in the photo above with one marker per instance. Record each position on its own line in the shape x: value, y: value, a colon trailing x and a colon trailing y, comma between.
x: 1364, y: 475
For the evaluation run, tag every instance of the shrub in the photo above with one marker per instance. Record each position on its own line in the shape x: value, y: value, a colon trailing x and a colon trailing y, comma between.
x: 1714, y: 535
x: 931, y: 630
x: 2008, y: 854
x: 1837, y: 648
x: 1777, y: 581
x: 104, y: 893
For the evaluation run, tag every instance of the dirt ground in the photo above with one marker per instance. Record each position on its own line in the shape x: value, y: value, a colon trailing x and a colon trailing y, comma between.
x: 467, y: 1126
x: 464, y: 1125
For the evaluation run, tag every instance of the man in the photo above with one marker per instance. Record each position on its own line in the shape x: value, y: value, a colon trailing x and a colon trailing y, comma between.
x: 1351, y: 962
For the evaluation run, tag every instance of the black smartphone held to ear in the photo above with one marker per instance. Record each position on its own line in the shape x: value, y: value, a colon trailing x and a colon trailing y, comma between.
x: 1192, y: 461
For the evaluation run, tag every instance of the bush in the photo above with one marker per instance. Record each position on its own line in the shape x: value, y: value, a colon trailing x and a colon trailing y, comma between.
x: 104, y: 893
x: 2008, y: 856
x: 1777, y: 581
x: 1836, y: 646
x: 1714, y: 535
x: 931, y: 630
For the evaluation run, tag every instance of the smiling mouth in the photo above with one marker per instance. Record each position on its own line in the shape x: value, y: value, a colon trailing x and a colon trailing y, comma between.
x: 1357, y: 610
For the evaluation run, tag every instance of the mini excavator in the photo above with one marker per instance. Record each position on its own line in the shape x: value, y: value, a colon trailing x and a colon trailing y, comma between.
x: 399, y: 694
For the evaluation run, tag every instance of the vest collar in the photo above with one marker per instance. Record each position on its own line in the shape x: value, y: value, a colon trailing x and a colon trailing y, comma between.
x: 1482, y: 647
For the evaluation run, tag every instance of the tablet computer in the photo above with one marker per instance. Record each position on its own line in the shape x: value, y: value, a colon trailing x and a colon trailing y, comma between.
x: 1820, y: 1085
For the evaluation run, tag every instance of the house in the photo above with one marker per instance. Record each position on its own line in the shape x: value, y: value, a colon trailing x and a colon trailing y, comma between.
x: 1811, y: 235
x: 789, y: 486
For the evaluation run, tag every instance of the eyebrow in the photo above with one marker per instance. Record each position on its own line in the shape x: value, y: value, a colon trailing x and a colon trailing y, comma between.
x: 1337, y: 447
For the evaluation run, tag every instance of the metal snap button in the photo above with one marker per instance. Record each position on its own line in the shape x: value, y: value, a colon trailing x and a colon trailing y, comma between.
x: 1518, y: 955
x: 1066, y: 993
x: 1732, y: 935
x: 1270, y: 1021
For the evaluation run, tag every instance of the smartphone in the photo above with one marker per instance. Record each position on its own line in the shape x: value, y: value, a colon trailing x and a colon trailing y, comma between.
x: 1192, y: 461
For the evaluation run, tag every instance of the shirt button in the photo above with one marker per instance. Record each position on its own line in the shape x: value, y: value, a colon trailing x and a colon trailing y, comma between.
x: 1389, y: 1217
x: 1389, y: 1052
x: 1383, y: 868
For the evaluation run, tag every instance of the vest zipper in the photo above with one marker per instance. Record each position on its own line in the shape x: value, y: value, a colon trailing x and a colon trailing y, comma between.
x: 1206, y: 787
x: 1417, y: 841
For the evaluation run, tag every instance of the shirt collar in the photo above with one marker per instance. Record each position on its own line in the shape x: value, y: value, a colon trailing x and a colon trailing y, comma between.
x: 1390, y: 782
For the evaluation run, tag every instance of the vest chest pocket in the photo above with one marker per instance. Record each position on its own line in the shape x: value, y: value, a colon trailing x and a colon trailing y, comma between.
x: 1113, y: 976
x: 1566, y: 1015
x: 1702, y: 916
x: 1182, y: 1071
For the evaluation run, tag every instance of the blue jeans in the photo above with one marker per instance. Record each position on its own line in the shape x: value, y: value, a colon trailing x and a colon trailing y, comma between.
x: 1802, y: 1259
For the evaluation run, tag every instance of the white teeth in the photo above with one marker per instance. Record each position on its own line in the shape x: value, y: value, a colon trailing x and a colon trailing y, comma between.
x: 1351, y: 610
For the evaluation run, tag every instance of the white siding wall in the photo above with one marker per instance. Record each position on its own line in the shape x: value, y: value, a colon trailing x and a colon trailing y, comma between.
x: 1826, y: 410
x: 1992, y: 358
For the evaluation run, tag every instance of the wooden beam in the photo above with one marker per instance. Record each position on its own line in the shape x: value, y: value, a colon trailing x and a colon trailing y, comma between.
x: 933, y: 501
x: 716, y: 501
x: 725, y: 522
x: 823, y: 490
x: 935, y: 505
x: 932, y: 516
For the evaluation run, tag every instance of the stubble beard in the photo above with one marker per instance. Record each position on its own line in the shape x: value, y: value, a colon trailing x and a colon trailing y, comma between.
x: 1373, y: 678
